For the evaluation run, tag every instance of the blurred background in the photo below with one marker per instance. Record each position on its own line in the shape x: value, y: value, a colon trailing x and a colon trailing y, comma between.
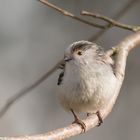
x: 32, y: 39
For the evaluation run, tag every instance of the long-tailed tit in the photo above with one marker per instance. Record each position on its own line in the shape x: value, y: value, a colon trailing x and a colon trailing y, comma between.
x: 87, y: 81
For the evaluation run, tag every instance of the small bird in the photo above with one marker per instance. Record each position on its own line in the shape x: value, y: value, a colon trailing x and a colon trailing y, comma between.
x: 87, y: 81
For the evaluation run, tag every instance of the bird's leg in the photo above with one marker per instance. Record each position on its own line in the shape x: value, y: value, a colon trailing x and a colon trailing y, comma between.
x: 78, y: 121
x: 98, y: 113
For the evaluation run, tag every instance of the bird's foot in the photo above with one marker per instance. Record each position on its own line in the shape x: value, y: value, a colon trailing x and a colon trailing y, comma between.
x: 100, y: 120
x: 78, y: 121
x: 81, y: 123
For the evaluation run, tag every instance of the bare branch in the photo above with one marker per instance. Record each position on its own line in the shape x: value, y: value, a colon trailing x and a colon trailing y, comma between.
x: 24, y: 91
x: 117, y: 16
x: 66, y: 13
x: 121, y: 51
x: 111, y: 22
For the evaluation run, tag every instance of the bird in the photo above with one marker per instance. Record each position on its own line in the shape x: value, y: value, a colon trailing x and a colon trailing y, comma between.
x: 87, y: 80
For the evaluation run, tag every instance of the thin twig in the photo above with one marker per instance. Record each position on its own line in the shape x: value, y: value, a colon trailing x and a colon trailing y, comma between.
x: 117, y: 16
x: 121, y: 50
x: 66, y: 13
x: 111, y: 22
x: 24, y: 91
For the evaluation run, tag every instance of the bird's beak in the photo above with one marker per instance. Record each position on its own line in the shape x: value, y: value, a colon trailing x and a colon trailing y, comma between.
x: 67, y: 58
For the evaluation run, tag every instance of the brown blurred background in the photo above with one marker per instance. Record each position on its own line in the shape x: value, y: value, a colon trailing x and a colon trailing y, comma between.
x: 32, y: 39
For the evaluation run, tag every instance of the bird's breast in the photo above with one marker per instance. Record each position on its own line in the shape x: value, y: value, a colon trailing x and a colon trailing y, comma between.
x: 87, y: 88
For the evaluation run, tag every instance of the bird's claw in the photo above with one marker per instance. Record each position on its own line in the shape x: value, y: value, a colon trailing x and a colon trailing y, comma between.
x: 81, y: 123
x: 100, y: 120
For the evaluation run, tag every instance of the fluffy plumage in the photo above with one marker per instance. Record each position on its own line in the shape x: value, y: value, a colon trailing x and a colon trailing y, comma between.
x: 87, y: 82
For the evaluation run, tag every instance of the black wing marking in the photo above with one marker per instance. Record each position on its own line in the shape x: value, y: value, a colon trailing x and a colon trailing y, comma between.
x: 60, y: 79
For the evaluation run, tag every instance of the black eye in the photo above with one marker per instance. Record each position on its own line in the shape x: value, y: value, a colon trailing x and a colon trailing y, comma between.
x: 79, y: 52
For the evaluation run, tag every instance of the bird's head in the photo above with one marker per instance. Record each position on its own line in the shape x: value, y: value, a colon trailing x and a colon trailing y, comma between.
x: 82, y: 52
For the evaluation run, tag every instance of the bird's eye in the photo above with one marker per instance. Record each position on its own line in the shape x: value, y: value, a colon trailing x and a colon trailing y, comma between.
x: 79, y: 52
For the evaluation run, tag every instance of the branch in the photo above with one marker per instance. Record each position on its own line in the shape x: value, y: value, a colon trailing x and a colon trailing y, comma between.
x: 66, y: 13
x: 121, y: 51
x: 111, y: 21
x: 24, y: 91
x: 117, y: 16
